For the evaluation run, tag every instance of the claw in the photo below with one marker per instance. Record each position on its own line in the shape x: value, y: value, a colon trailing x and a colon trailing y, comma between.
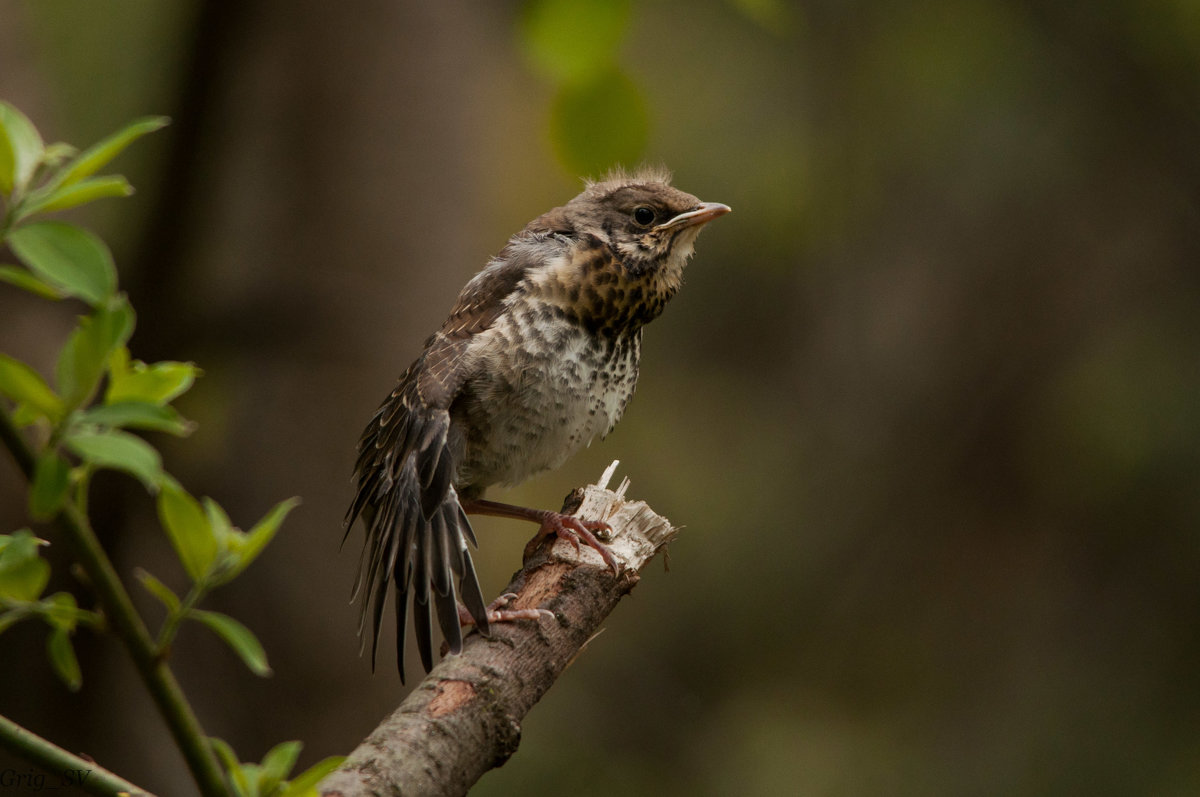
x: 574, y: 530
x: 497, y: 615
x: 567, y: 527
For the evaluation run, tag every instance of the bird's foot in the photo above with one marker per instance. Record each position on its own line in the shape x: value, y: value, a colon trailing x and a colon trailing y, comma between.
x: 495, y: 614
x: 568, y: 527
x: 573, y: 530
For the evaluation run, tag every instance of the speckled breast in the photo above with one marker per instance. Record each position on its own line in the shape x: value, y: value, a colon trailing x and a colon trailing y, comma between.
x: 549, y: 388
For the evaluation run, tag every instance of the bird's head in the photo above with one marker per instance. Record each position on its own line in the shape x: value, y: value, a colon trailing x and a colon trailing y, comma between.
x: 635, y: 232
x: 649, y: 223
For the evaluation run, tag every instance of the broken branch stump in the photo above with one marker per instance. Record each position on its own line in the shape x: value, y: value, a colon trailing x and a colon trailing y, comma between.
x: 465, y: 717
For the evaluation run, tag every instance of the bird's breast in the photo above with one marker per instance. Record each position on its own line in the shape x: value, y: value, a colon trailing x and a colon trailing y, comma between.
x: 544, y: 388
x: 591, y: 285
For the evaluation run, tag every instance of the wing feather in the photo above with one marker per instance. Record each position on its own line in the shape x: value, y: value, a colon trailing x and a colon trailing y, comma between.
x: 417, y: 534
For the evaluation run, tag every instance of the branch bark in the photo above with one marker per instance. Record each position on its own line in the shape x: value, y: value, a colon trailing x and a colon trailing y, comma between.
x: 465, y: 717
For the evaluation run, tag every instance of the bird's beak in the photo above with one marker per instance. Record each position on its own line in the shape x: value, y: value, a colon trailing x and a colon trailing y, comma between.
x: 703, y: 214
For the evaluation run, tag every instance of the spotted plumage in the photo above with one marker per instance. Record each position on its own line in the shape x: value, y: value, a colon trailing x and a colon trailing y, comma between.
x: 538, y: 357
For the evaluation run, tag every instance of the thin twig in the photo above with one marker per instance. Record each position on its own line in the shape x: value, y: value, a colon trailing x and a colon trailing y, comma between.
x: 16, y: 445
x: 118, y: 607
x: 69, y: 769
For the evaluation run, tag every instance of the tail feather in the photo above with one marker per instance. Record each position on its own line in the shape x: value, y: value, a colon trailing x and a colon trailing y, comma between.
x: 409, y: 527
x: 417, y: 534
x: 376, y: 618
x: 384, y: 571
x: 440, y: 550
x: 447, y: 614
x: 459, y: 520
x: 368, y: 570
x: 435, y: 467
x: 434, y: 489
x: 401, y: 609
x: 449, y: 556
x: 423, y: 628
x: 422, y: 623
x: 362, y: 560
x: 472, y: 596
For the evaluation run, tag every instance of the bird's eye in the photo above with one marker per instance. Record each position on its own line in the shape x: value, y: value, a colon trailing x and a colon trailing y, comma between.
x: 643, y: 215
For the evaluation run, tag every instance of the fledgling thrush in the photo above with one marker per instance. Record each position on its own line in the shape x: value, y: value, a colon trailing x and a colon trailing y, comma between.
x: 539, y: 355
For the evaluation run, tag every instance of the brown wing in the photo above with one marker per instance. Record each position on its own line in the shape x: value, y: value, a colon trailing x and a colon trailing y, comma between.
x: 416, y: 530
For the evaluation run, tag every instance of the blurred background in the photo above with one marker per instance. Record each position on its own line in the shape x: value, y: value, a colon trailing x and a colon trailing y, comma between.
x: 927, y: 406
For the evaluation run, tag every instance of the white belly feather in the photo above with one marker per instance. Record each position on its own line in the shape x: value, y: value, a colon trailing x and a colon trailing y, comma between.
x: 532, y: 411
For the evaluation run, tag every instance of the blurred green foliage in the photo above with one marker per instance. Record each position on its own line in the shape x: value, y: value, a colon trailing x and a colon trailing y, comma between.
x: 573, y: 41
x: 599, y: 123
x: 926, y: 405
x: 598, y: 118
x: 72, y: 440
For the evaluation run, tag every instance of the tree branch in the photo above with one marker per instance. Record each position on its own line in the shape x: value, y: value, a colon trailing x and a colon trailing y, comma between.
x: 73, y: 770
x: 464, y: 718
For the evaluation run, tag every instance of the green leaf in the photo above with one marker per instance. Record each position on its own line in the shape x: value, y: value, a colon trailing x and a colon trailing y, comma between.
x: 573, y: 40
x: 99, y: 154
x: 224, y: 753
x: 238, y: 637
x: 305, y: 784
x: 68, y: 257
x: 253, y: 776
x: 155, y: 384
x: 61, y: 611
x: 62, y: 657
x: 26, y: 280
x: 112, y: 448
x: 600, y: 123
x: 23, y: 574
x: 250, y: 544
x: 219, y: 521
x: 229, y: 760
x: 228, y: 539
x: 69, y: 196
x: 85, y: 356
x: 8, y: 166
x: 51, y: 478
x: 23, y: 384
x: 20, y: 149
x: 24, y: 415
x: 187, y: 528
x: 138, y: 415
x: 276, y: 765
x: 159, y: 590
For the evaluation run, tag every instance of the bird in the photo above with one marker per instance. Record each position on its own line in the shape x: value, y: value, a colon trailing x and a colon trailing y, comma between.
x: 538, y: 356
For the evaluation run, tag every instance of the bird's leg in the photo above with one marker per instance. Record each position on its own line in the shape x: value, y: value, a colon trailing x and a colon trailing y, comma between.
x: 497, y: 615
x: 567, y: 527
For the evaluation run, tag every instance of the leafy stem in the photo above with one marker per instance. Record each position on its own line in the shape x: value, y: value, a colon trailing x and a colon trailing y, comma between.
x: 62, y: 430
x: 177, y: 615
x: 53, y: 758
x: 118, y: 607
